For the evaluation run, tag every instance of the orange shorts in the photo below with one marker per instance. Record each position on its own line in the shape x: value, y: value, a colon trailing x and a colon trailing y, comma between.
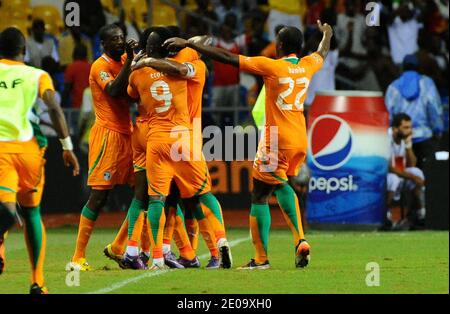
x: 139, y: 142
x: 275, y: 167
x: 191, y: 177
x: 110, y: 159
x: 22, y: 176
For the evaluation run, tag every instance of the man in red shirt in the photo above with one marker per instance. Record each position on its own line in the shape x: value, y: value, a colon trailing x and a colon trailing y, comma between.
x: 76, y: 77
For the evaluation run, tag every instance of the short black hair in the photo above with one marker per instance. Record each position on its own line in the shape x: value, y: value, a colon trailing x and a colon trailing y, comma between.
x: 144, y: 37
x: 105, y: 30
x: 278, y: 28
x: 291, y: 39
x: 12, y: 42
x: 174, y: 30
x: 163, y: 34
x: 398, y: 118
x: 80, y: 52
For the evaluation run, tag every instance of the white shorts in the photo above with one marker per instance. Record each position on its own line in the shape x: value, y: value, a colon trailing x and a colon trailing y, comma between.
x: 395, y: 183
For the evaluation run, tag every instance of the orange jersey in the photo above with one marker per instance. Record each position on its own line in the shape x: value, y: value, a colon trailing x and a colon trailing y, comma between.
x: 111, y: 113
x: 286, y: 87
x: 164, y: 99
x: 195, y: 84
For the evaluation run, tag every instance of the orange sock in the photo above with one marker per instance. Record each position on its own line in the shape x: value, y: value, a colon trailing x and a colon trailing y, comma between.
x: 192, y: 231
x: 137, y: 231
x: 218, y: 227
x: 145, y: 236
x: 87, y: 223
x: 170, y: 225
x: 208, y: 235
x: 118, y: 246
x: 213, y: 212
x: 182, y: 239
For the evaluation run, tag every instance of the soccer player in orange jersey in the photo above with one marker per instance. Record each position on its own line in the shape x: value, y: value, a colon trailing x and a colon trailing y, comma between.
x: 280, y: 154
x: 165, y: 99
x: 134, y: 227
x: 217, y: 243
x: 110, y: 153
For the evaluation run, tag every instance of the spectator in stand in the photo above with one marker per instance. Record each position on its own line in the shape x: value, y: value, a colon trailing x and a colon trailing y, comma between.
x: 350, y: 29
x: 226, y: 77
x: 67, y: 42
x: 258, y: 40
x: 92, y: 18
x: 417, y: 96
x: 286, y: 12
x: 403, y: 173
x: 428, y: 56
x: 315, y: 8
x: 324, y: 79
x: 379, y: 61
x: 403, y: 31
x: 39, y: 45
x: 229, y: 6
x: 86, y: 120
x: 196, y: 26
x: 51, y: 67
x: 76, y: 77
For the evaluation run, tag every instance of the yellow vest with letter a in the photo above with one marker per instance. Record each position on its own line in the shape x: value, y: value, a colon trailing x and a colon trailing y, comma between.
x: 19, y: 86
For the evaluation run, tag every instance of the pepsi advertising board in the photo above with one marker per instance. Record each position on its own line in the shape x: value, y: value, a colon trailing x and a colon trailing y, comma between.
x: 348, y: 158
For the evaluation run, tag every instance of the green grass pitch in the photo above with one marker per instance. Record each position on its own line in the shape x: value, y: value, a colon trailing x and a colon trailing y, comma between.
x: 414, y: 262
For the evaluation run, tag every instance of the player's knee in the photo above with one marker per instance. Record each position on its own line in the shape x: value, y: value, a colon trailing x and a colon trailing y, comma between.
x: 141, y: 194
x: 259, y: 198
x: 417, y: 172
x: 7, y: 219
x: 97, y: 200
x: 156, y: 198
x: 191, y: 203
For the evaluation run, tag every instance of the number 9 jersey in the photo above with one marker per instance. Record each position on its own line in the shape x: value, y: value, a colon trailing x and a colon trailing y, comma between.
x: 164, y: 99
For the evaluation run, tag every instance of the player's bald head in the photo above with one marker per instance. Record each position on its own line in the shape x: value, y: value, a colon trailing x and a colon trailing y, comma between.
x: 155, y: 41
x: 289, y: 40
x: 12, y: 43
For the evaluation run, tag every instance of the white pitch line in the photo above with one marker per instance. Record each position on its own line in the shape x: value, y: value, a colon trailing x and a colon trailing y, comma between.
x: 128, y: 281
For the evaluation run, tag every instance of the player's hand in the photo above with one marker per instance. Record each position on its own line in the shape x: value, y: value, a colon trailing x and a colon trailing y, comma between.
x: 325, y: 28
x: 142, y: 63
x: 175, y: 44
x: 418, y: 181
x: 71, y: 160
x: 129, y: 48
x: 408, y: 141
x: 141, y: 55
x: 202, y: 40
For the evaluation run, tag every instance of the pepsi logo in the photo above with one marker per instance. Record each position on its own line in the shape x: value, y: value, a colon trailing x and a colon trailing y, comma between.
x: 331, y: 142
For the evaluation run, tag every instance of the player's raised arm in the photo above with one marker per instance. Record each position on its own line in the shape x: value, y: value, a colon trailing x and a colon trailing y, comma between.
x: 60, y: 125
x: 118, y: 87
x: 217, y: 54
x: 324, y: 46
